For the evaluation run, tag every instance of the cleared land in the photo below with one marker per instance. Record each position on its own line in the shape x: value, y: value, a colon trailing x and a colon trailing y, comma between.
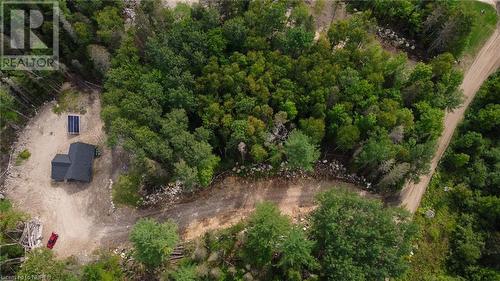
x: 233, y: 199
x: 77, y: 211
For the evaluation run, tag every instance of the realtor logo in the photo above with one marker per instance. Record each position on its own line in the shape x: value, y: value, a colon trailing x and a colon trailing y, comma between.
x: 29, y: 35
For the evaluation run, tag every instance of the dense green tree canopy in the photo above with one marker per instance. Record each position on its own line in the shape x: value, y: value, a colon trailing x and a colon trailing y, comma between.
x: 106, y: 268
x: 358, y: 239
x: 197, y: 88
x: 464, y: 195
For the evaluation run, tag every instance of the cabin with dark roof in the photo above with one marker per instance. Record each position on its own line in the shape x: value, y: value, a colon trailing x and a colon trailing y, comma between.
x: 76, y: 165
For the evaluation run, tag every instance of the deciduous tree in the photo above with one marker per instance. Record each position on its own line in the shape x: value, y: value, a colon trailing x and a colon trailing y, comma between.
x: 359, y: 239
x: 153, y: 242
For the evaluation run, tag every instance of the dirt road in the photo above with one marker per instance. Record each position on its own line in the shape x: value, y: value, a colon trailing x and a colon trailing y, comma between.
x: 486, y: 62
x: 234, y: 198
x: 491, y: 2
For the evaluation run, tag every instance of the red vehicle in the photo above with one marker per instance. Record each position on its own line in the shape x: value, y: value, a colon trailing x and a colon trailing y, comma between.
x: 52, y: 240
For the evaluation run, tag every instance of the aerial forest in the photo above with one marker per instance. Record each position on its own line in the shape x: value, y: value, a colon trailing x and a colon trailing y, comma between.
x: 190, y: 92
x: 195, y: 90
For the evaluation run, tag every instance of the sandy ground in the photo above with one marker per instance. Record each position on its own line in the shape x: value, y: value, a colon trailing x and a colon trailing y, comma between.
x: 78, y: 212
x: 330, y: 11
x: 487, y: 61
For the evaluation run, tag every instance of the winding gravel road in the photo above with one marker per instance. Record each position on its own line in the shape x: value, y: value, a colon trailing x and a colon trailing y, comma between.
x: 487, y: 61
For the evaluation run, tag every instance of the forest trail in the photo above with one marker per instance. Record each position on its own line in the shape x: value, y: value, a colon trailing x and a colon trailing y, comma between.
x: 485, y: 63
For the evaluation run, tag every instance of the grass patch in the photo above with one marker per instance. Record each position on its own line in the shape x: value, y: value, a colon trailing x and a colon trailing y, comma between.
x: 432, y: 243
x: 5, y: 205
x: 126, y: 191
x: 69, y: 101
x: 484, y: 25
x: 23, y: 156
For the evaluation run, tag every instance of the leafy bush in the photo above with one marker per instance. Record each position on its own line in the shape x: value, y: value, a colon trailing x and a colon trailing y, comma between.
x: 106, y: 268
x: 41, y: 262
x: 185, y: 273
x: 126, y: 191
x: 359, y: 239
x: 9, y: 249
x: 8, y: 216
x: 300, y: 152
x: 25, y: 154
x: 153, y: 242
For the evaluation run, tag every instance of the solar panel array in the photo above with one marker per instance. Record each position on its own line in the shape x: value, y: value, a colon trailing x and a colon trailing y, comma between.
x: 73, y: 124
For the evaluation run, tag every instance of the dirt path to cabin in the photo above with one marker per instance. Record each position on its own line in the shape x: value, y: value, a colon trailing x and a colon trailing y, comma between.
x: 487, y: 61
x: 234, y: 199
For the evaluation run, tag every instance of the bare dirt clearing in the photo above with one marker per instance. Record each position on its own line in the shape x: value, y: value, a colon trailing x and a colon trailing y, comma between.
x: 234, y: 199
x: 78, y: 212
x: 486, y: 62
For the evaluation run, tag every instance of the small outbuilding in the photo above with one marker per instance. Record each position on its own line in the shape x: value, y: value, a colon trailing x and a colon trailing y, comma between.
x: 76, y: 165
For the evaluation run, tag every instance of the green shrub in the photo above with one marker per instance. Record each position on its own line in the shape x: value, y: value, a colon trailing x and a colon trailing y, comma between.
x: 185, y: 273
x: 106, y: 268
x: 41, y: 262
x: 9, y: 217
x: 22, y: 156
x: 126, y: 191
x: 25, y: 154
x: 5, y: 205
x: 153, y: 242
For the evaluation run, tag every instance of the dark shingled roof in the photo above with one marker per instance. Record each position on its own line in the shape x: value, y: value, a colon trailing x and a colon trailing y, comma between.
x: 76, y: 165
x: 60, y: 165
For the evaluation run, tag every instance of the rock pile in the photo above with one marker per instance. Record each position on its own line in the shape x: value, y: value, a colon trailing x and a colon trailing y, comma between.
x: 167, y: 194
x: 334, y: 169
x: 394, y: 39
x: 323, y: 169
